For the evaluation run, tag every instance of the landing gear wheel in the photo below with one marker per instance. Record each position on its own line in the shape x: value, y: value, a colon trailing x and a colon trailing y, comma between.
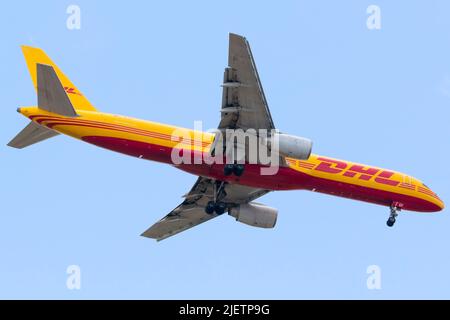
x: 220, y: 208
x: 390, y: 222
x: 394, y: 210
x: 228, y: 169
x: 238, y: 170
x: 210, y: 207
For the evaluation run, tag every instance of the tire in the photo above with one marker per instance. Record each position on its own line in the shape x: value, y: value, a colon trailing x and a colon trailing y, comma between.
x: 210, y: 207
x: 390, y: 222
x: 238, y: 170
x: 228, y: 169
x: 220, y: 208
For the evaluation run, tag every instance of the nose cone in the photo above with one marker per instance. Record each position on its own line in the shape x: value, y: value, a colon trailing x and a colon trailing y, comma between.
x: 437, y: 201
x: 441, y: 205
x: 436, y: 204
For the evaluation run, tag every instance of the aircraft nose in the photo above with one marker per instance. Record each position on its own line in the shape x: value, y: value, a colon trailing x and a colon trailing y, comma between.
x: 441, y: 204
x: 436, y: 200
x: 435, y: 204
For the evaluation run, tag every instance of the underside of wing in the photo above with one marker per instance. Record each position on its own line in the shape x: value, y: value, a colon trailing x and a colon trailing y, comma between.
x: 192, y: 211
x: 244, y: 104
x: 181, y: 218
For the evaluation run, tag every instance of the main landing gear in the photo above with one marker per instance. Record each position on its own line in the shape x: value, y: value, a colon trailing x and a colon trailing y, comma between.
x: 236, y: 169
x: 395, y: 209
x: 216, y: 205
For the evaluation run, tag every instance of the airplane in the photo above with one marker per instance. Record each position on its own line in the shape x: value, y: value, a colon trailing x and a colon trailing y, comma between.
x: 228, y: 187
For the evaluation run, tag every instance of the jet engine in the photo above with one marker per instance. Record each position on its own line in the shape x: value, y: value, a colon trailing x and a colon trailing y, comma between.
x: 294, y: 147
x: 291, y: 146
x: 255, y: 215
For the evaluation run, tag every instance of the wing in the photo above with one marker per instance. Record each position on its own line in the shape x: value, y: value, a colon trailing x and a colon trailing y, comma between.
x: 244, y: 104
x: 192, y: 211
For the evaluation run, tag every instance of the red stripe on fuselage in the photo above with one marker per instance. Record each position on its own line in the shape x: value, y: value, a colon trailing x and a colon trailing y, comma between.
x: 54, y: 121
x: 285, y: 179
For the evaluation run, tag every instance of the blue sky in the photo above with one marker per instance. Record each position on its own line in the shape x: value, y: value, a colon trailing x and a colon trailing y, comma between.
x: 380, y: 97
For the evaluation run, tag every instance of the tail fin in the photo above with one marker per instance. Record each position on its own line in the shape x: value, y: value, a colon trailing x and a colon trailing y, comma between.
x: 51, y: 97
x: 35, y: 56
x: 31, y: 134
x: 56, y: 93
x: 51, y: 94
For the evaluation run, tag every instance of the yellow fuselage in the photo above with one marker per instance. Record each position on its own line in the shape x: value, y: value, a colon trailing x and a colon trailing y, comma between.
x: 154, y: 141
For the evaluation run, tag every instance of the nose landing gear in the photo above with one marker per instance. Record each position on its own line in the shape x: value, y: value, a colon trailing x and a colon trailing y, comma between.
x: 395, y: 209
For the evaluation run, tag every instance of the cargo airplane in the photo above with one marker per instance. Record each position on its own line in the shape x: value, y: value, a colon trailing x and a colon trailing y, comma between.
x: 220, y: 187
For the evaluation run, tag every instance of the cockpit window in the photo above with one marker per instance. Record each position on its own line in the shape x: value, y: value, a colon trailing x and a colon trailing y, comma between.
x: 425, y: 185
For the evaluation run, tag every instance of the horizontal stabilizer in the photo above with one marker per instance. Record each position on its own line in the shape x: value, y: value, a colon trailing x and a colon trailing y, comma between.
x: 31, y: 134
x: 51, y: 95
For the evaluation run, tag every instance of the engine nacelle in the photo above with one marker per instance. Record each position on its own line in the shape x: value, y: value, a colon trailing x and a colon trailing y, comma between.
x: 290, y: 146
x: 255, y: 215
x: 294, y: 147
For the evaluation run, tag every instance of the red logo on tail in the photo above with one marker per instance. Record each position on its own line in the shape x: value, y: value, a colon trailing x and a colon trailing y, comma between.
x: 72, y: 91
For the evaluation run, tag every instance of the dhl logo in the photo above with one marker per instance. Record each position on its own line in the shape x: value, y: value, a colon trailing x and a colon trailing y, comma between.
x: 355, y: 170
x: 72, y: 91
